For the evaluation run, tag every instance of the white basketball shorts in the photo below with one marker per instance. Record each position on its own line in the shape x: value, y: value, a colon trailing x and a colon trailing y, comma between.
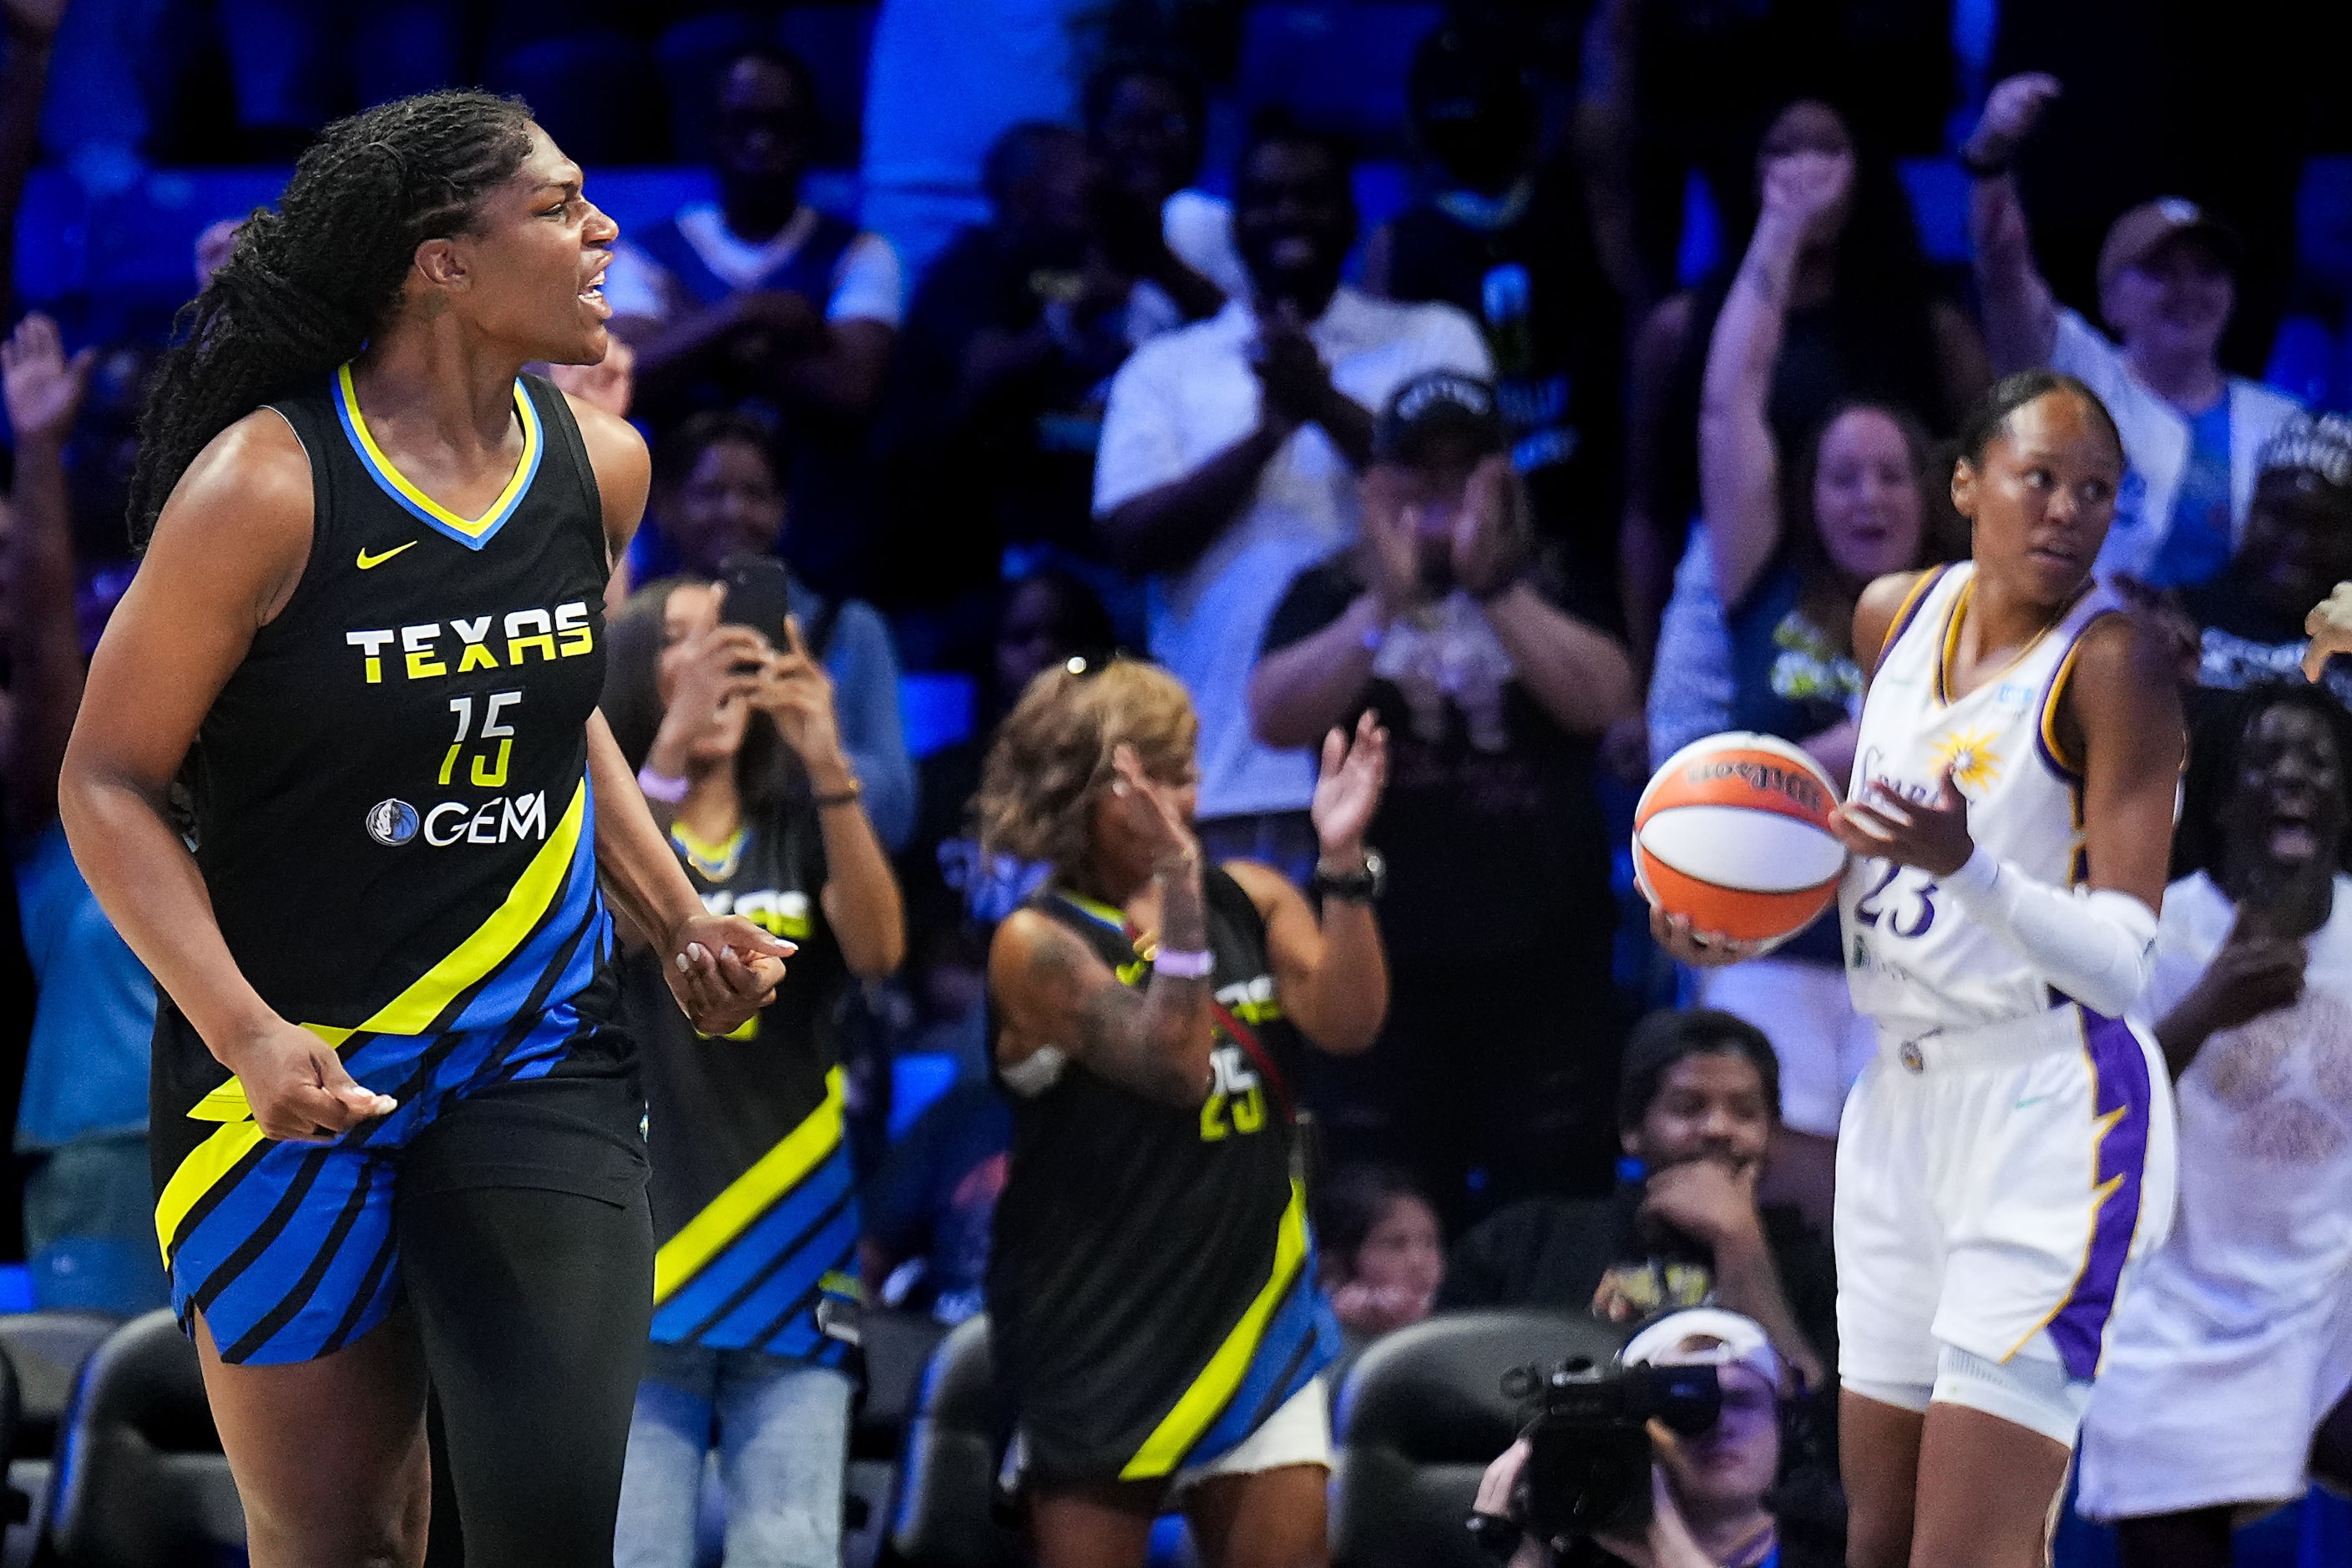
x: 1996, y: 1187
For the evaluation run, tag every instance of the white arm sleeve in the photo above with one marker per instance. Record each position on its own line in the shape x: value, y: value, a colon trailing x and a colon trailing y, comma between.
x: 2096, y: 945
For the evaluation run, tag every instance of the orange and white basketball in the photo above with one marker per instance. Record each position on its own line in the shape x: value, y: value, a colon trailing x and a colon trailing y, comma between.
x: 1733, y: 834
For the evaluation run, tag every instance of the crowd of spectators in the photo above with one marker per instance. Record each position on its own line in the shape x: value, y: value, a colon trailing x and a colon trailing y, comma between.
x: 1489, y: 472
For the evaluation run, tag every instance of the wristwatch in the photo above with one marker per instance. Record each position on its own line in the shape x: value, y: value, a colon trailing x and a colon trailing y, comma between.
x: 1364, y: 887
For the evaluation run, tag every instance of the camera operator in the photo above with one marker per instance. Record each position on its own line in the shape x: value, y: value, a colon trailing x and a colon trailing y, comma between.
x: 1710, y: 1490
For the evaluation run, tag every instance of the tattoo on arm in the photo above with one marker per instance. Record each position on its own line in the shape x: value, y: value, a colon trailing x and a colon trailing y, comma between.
x: 1155, y: 1041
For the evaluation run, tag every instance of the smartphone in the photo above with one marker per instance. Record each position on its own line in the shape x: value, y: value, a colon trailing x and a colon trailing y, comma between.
x: 759, y: 595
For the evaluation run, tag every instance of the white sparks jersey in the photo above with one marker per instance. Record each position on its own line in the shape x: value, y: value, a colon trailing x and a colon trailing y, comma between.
x: 1915, y: 960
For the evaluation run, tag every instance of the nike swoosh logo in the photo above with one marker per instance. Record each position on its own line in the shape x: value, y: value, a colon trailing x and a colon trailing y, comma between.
x: 367, y: 561
x: 2032, y: 1099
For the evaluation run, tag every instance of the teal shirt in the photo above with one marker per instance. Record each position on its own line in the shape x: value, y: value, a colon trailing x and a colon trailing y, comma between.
x: 2198, y: 541
x: 94, y: 1013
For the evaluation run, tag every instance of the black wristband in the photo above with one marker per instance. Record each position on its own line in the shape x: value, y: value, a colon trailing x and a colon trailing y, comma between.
x: 1362, y: 887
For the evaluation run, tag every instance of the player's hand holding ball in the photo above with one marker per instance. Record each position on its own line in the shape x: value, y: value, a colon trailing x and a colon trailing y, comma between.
x: 723, y: 970
x: 1734, y: 847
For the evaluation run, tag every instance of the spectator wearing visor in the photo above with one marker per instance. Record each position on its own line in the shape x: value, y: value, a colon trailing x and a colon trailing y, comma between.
x: 1487, y: 660
x: 1712, y: 1497
x: 2191, y: 433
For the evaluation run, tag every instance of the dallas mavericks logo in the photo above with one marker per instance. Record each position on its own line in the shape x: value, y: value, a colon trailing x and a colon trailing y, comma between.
x: 391, y: 822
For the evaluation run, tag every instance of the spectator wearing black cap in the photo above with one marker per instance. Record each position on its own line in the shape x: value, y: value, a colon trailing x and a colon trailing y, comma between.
x: 1699, y: 1099
x: 2168, y: 286
x: 1488, y: 666
x: 1507, y: 240
x: 1229, y: 462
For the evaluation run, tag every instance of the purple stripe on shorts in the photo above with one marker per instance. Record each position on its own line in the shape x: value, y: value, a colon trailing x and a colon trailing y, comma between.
x: 2120, y: 1089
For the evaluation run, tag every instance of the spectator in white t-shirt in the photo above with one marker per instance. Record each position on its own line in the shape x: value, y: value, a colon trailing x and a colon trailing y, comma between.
x: 2227, y: 1386
x: 1229, y: 462
x: 1144, y: 123
x: 761, y: 299
x: 2192, y: 434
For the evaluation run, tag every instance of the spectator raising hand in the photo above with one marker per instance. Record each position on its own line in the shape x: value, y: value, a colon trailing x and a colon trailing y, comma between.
x: 45, y: 388
x: 81, y: 1128
x: 44, y: 391
x: 2167, y: 271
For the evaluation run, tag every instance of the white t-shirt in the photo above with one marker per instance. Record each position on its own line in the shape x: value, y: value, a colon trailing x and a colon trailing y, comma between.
x: 1198, y: 229
x: 1187, y: 396
x: 867, y: 283
x: 2156, y: 439
x: 2240, y: 1325
x: 2265, y: 1217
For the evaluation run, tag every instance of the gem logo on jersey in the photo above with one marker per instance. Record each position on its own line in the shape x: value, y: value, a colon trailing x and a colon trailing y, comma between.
x: 392, y: 823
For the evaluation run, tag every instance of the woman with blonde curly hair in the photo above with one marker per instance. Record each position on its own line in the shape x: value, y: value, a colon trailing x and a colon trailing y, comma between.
x: 1151, y: 1290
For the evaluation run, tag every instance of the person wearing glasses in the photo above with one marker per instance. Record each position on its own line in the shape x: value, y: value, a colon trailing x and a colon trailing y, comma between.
x: 1152, y: 1294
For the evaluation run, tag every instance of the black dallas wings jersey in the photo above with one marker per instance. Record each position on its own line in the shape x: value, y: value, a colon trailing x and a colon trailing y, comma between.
x: 391, y: 800
x: 752, y: 1198
x: 1151, y: 1287
x: 392, y: 797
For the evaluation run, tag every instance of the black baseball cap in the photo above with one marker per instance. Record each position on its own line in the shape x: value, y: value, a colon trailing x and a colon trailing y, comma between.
x: 1437, y: 406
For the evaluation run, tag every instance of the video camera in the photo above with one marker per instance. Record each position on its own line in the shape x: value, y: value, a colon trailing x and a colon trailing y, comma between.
x: 1589, y: 1461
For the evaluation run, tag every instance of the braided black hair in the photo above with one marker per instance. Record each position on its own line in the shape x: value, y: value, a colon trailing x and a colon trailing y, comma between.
x: 309, y: 283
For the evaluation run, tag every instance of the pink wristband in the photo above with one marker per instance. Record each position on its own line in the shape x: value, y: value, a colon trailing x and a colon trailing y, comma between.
x: 661, y: 786
x: 1184, y: 965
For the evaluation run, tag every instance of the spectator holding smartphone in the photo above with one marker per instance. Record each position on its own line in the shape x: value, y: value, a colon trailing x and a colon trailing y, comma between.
x: 2242, y: 1322
x: 719, y: 492
x: 741, y: 761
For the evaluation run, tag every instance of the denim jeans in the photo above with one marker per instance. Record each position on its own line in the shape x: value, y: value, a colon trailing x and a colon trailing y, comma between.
x: 782, y: 1432
x: 89, y: 1227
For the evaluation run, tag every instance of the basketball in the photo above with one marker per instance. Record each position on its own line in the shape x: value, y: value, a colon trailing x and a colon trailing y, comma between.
x: 1733, y: 835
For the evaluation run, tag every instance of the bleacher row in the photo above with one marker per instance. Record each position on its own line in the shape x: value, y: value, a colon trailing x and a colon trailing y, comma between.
x: 112, y: 1461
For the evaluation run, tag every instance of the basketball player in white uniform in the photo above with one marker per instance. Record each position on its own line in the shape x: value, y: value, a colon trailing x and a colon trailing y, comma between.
x: 2008, y: 1156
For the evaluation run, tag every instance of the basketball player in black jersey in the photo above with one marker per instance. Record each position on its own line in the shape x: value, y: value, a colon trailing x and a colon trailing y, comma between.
x: 395, y: 1135
x: 1151, y: 1291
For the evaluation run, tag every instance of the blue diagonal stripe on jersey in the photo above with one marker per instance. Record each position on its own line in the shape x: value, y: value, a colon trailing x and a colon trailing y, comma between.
x: 1301, y: 1339
x: 507, y: 987
x: 779, y: 1229
x: 833, y: 1248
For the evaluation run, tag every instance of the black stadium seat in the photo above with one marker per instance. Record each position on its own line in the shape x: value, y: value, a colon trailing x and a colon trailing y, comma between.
x: 140, y: 1481
x: 46, y: 1351
x: 944, y: 1515
x: 1420, y: 1419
